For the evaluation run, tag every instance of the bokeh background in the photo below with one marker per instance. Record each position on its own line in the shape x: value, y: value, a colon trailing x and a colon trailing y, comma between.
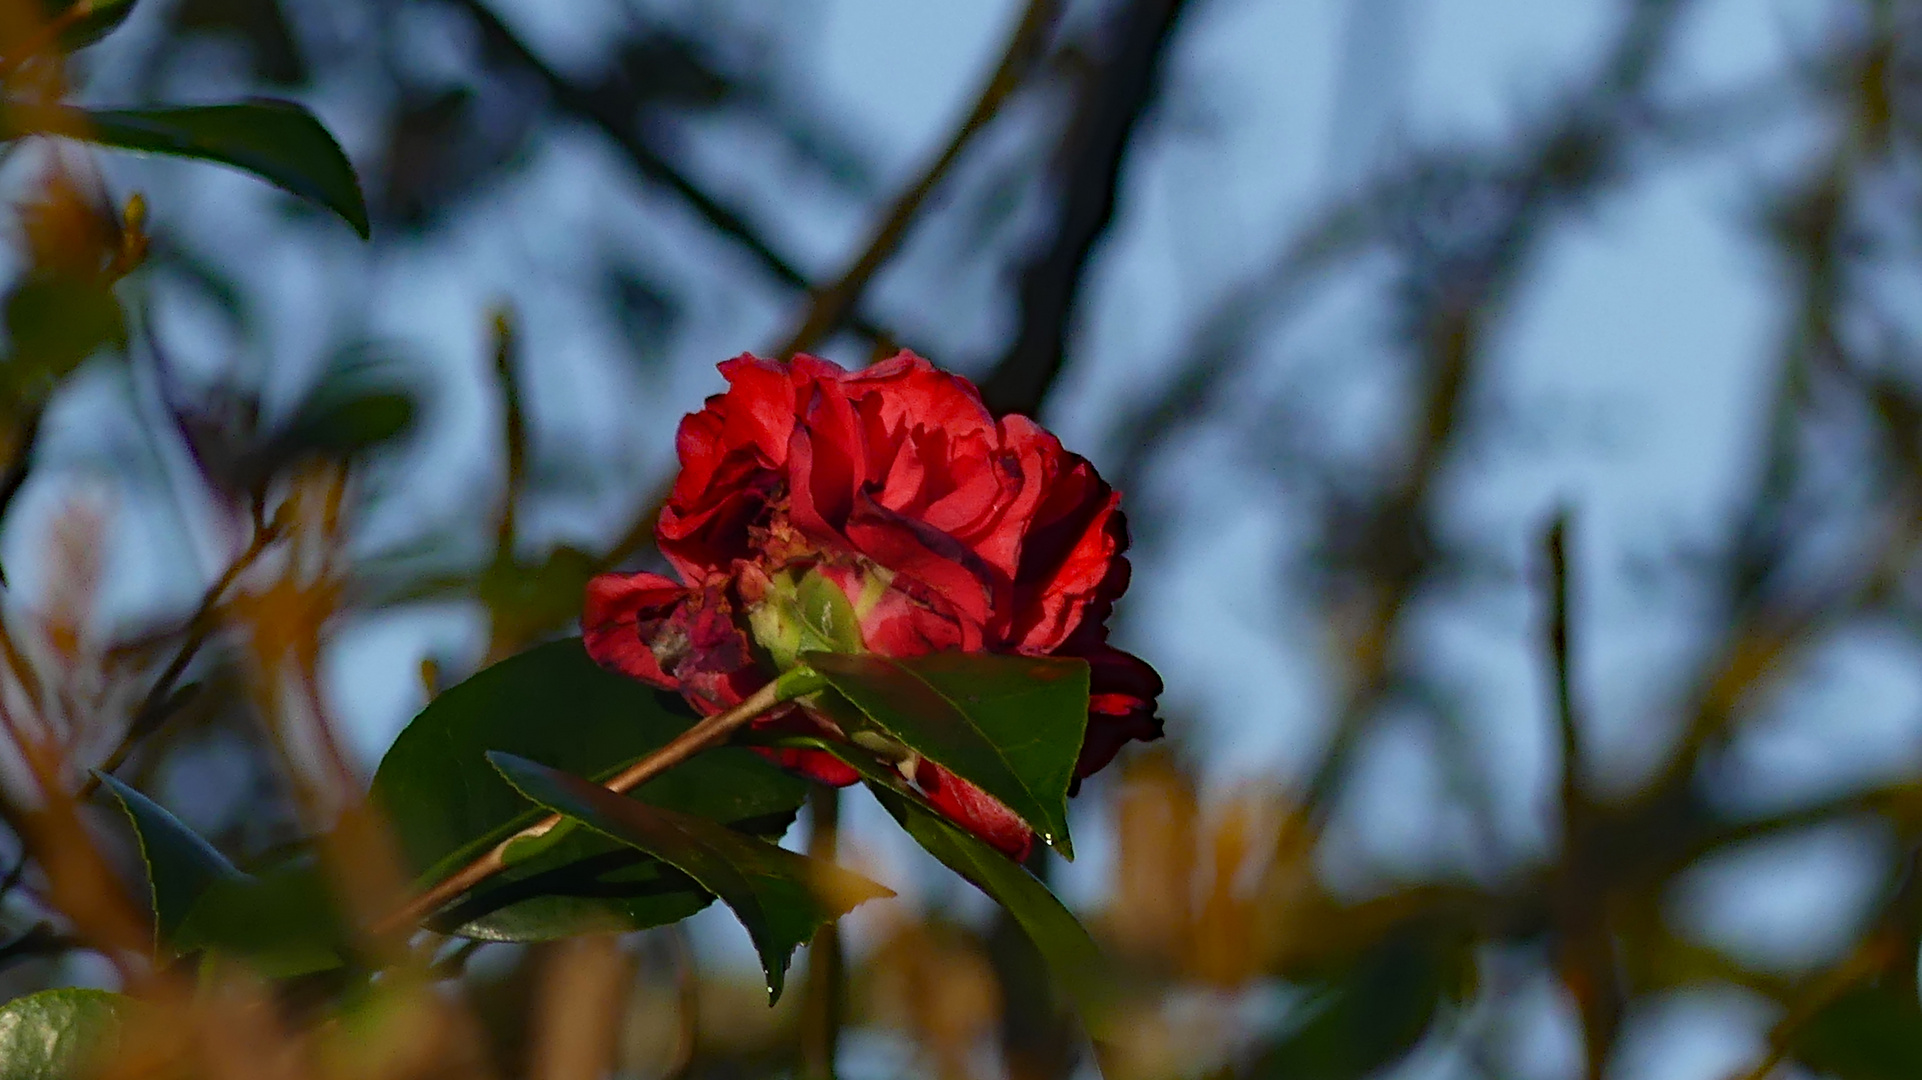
x: 1355, y: 302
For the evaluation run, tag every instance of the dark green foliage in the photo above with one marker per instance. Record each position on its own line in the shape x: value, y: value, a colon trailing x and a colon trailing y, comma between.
x: 281, y: 922
x: 780, y: 897
x: 278, y: 141
x: 100, y: 20
x: 1871, y: 1033
x: 1076, y: 962
x: 1011, y: 725
x: 1370, y: 1016
x: 181, y: 866
x: 553, y: 705
x: 55, y: 321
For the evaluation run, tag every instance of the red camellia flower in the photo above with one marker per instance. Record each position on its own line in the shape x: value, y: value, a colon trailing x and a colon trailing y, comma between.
x: 945, y: 528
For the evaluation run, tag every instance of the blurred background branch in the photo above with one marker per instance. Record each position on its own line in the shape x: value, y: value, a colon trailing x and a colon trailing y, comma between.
x: 1353, y: 303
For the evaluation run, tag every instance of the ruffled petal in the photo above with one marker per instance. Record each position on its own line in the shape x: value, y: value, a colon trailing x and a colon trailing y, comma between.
x: 825, y: 465
x: 909, y: 391
x: 1068, y: 563
x: 926, y: 554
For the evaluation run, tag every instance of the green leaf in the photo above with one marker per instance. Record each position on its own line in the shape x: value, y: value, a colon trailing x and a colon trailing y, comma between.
x: 1010, y: 725
x: 282, y: 923
x: 278, y: 141
x: 181, y: 866
x: 555, y: 705
x: 584, y: 884
x: 1870, y: 1033
x: 1079, y: 966
x: 59, y: 1034
x: 103, y: 19
x: 1369, y: 1017
x: 361, y: 402
x: 529, y: 599
x: 351, y: 424
x: 779, y: 896
x: 53, y: 323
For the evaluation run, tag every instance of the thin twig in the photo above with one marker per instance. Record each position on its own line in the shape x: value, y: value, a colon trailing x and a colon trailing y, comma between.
x: 1113, y: 98
x: 1874, y: 957
x: 615, y: 117
x: 513, y: 430
x: 1586, y: 943
x: 16, y: 474
x: 710, y: 732
x: 153, y: 710
x: 832, y: 305
x: 1465, y: 294
x: 1565, y: 722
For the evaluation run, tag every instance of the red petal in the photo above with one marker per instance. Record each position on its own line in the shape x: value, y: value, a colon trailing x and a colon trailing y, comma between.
x: 910, y: 392
x: 816, y: 765
x: 1069, y: 563
x: 1121, y: 707
x: 620, y: 614
x: 704, y: 537
x: 926, y: 554
x: 981, y: 480
x: 976, y: 810
x: 826, y: 459
x: 758, y: 408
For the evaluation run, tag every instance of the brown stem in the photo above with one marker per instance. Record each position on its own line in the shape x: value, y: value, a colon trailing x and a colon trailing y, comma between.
x: 710, y: 732
x: 821, y: 1009
x: 46, y: 37
x: 153, y: 709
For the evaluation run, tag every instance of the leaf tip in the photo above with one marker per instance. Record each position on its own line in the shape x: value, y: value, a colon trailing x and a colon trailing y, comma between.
x: 1062, y: 845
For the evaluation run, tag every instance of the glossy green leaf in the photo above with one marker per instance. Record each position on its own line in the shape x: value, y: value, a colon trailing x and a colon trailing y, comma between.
x: 282, y: 922
x: 780, y: 897
x: 59, y: 1034
x: 1010, y: 725
x: 278, y: 141
x: 584, y: 884
x: 553, y: 704
x: 181, y: 866
x: 1079, y: 966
